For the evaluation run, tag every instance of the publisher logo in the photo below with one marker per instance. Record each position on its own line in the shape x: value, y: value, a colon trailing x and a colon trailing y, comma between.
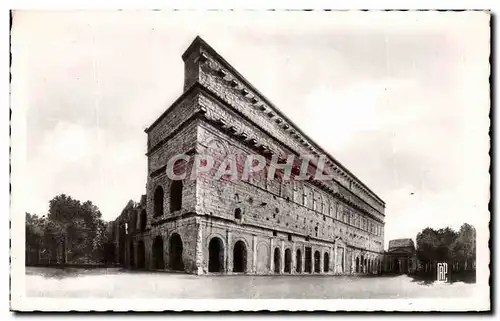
x: 442, y: 272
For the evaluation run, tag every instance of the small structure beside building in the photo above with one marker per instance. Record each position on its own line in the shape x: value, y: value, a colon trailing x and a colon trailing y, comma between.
x: 401, y: 257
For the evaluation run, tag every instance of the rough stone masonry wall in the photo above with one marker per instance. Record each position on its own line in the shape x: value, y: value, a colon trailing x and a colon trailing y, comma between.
x: 265, y: 209
x: 215, y: 111
x: 186, y: 228
x: 174, y: 133
x: 229, y: 87
x: 273, y: 217
x: 260, y: 246
x: 271, y: 205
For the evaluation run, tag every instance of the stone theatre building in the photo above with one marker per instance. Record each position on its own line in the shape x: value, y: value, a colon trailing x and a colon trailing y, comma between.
x: 205, y: 225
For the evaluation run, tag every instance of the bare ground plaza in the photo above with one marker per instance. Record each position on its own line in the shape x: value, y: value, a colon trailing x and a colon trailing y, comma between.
x: 120, y: 283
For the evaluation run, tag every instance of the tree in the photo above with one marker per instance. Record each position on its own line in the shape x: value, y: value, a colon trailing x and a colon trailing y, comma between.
x: 464, y: 247
x: 446, y: 245
x: 72, y: 232
x: 427, y: 243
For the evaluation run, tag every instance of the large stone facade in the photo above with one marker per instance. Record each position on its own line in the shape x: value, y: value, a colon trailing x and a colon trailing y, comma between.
x: 257, y: 226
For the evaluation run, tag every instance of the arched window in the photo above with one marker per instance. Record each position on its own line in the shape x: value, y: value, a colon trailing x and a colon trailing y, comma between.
x: 158, y: 201
x: 176, y: 196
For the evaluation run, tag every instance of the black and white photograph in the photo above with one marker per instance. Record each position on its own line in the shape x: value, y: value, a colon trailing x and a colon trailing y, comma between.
x: 175, y: 160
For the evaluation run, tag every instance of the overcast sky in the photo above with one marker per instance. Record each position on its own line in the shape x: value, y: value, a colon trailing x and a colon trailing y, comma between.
x: 401, y: 99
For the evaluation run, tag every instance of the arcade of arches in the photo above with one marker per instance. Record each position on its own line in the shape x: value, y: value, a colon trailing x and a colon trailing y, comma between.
x: 168, y: 254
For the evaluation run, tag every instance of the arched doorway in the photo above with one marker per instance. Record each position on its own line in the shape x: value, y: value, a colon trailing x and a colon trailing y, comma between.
x: 288, y: 261
x: 326, y: 263
x: 308, y: 260
x: 239, y: 257
x: 357, y: 265
x: 361, y: 267
x: 131, y: 255
x: 316, y: 262
x: 158, y: 262
x: 365, y: 264
x: 175, y: 196
x: 215, y: 255
x: 298, y: 260
x: 141, y: 255
x: 277, y: 261
x: 175, y: 248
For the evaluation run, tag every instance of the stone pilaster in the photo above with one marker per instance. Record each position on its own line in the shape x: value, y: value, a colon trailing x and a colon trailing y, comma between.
x: 335, y: 269
x: 271, y: 256
x: 199, y: 249
x: 282, y: 258
x: 254, y: 252
x: 229, y: 256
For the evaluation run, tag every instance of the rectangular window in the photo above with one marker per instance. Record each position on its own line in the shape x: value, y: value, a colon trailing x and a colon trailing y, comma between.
x: 304, y: 196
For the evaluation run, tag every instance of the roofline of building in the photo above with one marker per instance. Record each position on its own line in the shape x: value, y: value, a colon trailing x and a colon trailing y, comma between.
x: 199, y: 41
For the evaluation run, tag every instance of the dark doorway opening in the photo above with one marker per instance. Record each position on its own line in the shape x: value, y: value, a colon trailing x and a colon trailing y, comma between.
x: 141, y: 255
x: 215, y: 255
x: 239, y: 257
x: 288, y: 261
x: 308, y: 263
x: 326, y: 263
x: 357, y: 265
x: 298, y: 260
x: 316, y: 261
x: 277, y: 261
x: 158, y: 262
x: 176, y: 262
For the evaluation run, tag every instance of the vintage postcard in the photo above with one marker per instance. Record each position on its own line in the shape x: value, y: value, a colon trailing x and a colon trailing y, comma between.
x: 250, y: 160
